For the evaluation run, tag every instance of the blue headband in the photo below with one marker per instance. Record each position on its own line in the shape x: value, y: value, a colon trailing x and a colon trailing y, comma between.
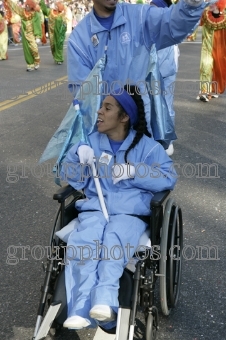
x: 127, y: 102
x: 159, y: 3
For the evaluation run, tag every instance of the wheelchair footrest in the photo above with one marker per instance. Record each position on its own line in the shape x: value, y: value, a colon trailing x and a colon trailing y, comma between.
x: 48, y: 320
x: 123, y: 325
x: 101, y: 335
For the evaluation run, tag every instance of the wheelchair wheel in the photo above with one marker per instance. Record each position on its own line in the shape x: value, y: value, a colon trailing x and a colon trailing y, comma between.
x: 170, y: 261
x: 151, y: 330
x: 53, y: 289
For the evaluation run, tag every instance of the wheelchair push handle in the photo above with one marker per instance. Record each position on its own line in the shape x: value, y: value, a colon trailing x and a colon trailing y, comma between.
x: 63, y: 193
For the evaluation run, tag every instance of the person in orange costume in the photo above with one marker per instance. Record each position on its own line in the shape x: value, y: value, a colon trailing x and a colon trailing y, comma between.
x: 213, y: 52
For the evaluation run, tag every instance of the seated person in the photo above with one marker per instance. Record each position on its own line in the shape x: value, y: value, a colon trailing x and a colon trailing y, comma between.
x: 131, y: 167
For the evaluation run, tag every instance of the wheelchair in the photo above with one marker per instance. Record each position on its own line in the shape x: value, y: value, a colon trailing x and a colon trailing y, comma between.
x: 137, y: 288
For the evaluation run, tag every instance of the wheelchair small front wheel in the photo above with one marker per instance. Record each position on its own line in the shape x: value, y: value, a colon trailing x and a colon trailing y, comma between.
x: 151, y: 330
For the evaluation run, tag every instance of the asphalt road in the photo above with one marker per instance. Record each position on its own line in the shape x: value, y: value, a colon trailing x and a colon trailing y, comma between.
x: 30, y: 112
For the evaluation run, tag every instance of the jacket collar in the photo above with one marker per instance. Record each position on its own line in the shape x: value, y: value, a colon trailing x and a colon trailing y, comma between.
x: 105, y: 145
x: 119, y: 20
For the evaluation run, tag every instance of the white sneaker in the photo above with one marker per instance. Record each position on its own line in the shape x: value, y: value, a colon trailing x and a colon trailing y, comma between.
x: 37, y: 66
x: 214, y: 96
x: 170, y: 150
x: 76, y: 322
x: 102, y: 313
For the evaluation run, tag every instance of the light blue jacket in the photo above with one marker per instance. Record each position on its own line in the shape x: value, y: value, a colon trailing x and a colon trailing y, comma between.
x: 134, y: 30
x: 130, y: 196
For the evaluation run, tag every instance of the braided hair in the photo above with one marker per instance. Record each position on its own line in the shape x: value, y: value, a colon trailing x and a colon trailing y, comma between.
x: 141, y: 125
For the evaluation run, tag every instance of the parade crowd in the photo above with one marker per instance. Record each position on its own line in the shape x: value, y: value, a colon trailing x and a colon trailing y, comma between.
x: 32, y: 23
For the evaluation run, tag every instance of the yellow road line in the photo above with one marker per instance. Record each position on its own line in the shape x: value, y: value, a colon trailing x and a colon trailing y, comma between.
x: 33, y: 93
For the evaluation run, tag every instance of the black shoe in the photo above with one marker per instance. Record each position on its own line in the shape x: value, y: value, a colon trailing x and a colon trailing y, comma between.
x: 203, y: 98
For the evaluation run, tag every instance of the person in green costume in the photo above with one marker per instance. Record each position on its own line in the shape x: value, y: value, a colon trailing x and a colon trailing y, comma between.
x: 31, y: 31
x: 57, y: 29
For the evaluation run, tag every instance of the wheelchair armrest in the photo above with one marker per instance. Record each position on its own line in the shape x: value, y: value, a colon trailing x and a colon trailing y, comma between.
x: 159, y: 198
x: 63, y: 193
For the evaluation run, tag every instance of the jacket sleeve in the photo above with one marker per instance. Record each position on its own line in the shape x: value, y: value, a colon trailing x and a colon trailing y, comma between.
x: 73, y: 172
x: 169, y: 26
x: 156, y: 173
x: 79, y: 65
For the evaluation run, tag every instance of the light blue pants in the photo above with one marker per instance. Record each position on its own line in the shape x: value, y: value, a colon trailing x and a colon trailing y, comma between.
x: 169, y: 84
x: 97, y: 253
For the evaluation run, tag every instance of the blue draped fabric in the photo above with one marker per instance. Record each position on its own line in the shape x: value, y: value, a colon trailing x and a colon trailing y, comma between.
x: 161, y: 123
x: 79, y: 121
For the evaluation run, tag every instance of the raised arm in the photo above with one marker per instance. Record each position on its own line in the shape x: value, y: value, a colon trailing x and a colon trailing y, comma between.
x: 169, y: 26
x: 44, y: 8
